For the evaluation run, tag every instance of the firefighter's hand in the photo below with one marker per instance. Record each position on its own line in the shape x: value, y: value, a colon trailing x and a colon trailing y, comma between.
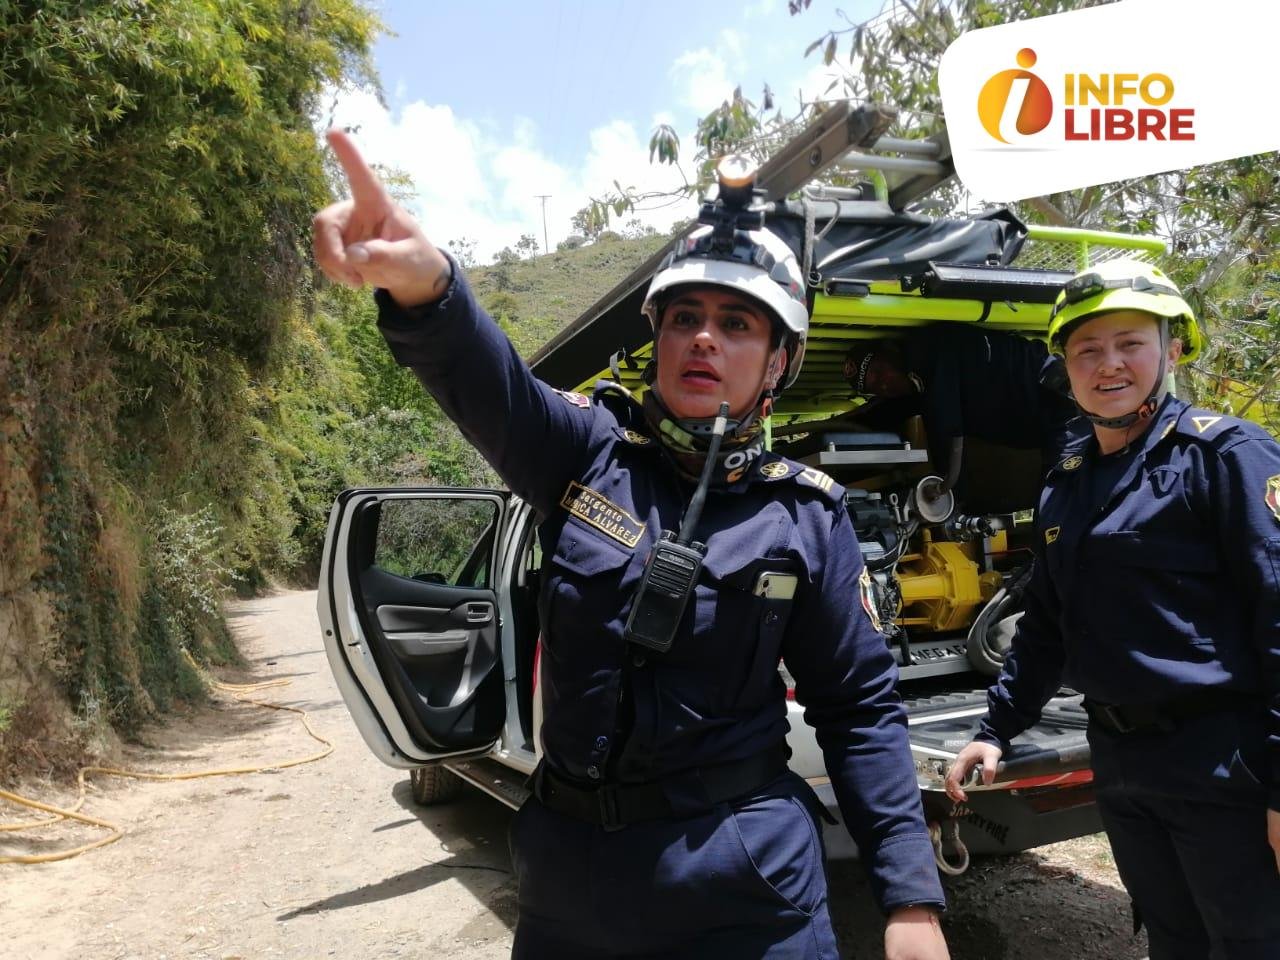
x: 975, y: 753
x: 1273, y: 833
x: 371, y: 239
x: 914, y: 933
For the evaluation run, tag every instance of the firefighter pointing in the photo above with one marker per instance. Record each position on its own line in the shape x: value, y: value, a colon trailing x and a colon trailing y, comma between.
x: 683, y: 562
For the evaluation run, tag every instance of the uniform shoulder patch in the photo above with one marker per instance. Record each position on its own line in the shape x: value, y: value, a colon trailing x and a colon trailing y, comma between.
x: 867, y: 595
x: 813, y: 477
x: 1215, y: 427
x: 577, y: 399
x: 1051, y: 534
x: 1072, y: 462
x: 1272, y: 496
x: 776, y: 469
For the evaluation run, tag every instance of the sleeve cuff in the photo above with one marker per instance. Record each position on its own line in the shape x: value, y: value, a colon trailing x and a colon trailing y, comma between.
x: 392, y: 316
x: 903, y: 873
x: 986, y: 735
x: 421, y: 336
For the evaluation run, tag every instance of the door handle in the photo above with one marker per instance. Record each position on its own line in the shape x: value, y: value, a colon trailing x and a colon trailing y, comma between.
x: 479, y: 612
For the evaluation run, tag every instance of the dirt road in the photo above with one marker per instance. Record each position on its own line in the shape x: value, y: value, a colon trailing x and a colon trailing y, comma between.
x: 332, y: 859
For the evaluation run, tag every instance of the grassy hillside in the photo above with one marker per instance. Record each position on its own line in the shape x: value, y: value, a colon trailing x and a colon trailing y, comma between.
x: 534, y: 299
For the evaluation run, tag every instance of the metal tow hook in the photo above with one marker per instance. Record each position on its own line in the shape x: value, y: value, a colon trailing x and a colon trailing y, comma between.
x: 949, y: 830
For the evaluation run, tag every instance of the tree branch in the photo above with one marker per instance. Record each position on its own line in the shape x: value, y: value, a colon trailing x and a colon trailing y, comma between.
x: 1055, y: 216
x: 1087, y: 200
x: 930, y: 24
x: 1266, y: 385
x: 1216, y: 267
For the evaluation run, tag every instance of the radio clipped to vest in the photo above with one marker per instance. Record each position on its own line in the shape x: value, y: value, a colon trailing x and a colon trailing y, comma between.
x: 671, y: 572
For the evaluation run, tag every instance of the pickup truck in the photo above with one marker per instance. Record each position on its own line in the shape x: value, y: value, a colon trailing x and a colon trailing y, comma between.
x: 427, y: 597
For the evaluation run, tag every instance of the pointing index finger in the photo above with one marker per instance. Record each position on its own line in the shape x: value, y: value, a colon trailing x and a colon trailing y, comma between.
x: 366, y: 189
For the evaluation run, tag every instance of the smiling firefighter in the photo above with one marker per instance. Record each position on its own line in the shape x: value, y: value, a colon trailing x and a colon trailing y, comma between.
x: 1155, y: 594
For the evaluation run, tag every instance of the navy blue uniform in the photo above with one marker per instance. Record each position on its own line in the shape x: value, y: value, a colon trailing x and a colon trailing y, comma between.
x: 1156, y: 595
x: 743, y: 878
x: 990, y: 385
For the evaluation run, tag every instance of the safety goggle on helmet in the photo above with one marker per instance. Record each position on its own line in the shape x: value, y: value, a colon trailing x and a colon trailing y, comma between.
x: 1124, y: 285
x: 736, y: 252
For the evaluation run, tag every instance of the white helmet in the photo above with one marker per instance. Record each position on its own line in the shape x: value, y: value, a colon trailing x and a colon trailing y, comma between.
x: 755, y: 263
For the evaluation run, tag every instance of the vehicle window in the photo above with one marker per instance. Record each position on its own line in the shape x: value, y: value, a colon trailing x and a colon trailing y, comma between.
x: 448, y: 542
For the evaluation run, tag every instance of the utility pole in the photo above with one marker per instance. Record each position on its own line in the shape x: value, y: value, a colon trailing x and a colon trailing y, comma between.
x: 544, y: 197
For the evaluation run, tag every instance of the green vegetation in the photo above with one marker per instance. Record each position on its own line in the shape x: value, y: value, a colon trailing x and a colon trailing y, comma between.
x: 156, y: 346
x: 536, y: 298
x: 181, y: 401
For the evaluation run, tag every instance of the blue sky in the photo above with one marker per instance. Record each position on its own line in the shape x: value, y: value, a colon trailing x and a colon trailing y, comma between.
x: 494, y: 101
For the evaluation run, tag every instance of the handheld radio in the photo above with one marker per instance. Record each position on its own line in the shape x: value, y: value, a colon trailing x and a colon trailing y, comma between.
x: 671, y: 572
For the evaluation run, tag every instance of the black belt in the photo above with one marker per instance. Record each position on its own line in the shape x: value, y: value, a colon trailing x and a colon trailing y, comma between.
x: 614, y: 805
x: 1165, y: 717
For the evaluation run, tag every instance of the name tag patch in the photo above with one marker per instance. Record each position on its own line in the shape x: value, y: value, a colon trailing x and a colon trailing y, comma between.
x: 602, y: 513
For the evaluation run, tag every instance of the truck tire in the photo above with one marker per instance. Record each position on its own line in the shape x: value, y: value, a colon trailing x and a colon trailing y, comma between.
x: 434, y: 784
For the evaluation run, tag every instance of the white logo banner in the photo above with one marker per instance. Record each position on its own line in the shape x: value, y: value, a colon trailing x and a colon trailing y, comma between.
x: 1110, y: 93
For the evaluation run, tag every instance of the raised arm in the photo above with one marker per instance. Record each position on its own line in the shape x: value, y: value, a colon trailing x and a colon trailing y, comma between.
x: 534, y: 437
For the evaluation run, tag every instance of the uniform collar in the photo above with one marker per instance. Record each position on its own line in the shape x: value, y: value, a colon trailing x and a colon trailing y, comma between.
x: 1082, y: 445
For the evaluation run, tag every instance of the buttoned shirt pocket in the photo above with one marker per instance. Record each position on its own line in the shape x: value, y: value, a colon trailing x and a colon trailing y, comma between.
x: 589, y: 583
x: 1157, y: 551
x: 1153, y: 594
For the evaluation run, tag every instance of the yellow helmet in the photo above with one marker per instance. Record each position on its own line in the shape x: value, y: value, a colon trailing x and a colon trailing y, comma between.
x: 1124, y: 285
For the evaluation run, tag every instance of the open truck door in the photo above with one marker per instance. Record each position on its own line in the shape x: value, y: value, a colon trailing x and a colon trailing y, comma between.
x: 409, y: 614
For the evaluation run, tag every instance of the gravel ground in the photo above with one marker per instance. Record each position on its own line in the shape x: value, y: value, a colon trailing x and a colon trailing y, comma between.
x: 333, y: 859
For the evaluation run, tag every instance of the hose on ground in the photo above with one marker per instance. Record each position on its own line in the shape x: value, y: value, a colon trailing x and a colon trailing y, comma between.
x: 239, y: 691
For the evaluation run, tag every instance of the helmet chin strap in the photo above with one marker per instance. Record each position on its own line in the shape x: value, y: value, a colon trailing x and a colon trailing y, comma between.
x: 1147, y: 409
x: 703, y: 426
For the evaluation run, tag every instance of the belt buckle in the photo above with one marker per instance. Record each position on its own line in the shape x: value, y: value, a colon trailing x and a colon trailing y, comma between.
x: 607, y: 801
x: 1116, y: 719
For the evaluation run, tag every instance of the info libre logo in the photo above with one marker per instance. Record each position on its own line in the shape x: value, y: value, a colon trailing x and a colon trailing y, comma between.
x: 1016, y: 104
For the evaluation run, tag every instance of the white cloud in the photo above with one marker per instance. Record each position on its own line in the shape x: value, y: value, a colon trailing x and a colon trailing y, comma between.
x: 619, y: 153
x: 815, y: 84
x: 483, y: 182
x: 704, y: 78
